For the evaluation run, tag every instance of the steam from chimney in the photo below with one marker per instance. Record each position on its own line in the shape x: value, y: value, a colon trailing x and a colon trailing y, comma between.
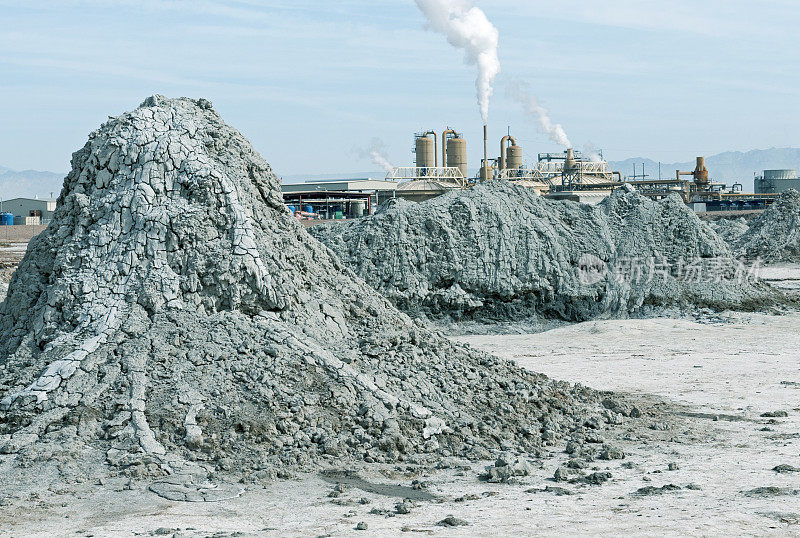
x: 466, y: 27
x: 376, y: 152
x: 591, y: 152
x: 520, y: 92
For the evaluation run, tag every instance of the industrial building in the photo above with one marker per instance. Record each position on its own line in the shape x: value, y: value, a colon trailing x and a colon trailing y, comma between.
x: 337, y: 198
x: 566, y: 175
x: 440, y: 165
x: 29, y: 211
x: 702, y: 194
x: 429, y: 177
x: 777, y: 181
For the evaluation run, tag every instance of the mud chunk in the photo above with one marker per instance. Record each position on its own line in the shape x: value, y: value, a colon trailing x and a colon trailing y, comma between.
x: 405, y: 506
x: 652, y: 490
x: 596, y: 479
x: 771, y: 491
x: 611, y: 453
x: 452, y: 521
x: 558, y: 491
x: 786, y: 468
x: 561, y: 475
x: 506, y: 468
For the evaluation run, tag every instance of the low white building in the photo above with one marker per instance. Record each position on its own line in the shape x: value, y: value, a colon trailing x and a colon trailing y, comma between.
x: 25, y: 210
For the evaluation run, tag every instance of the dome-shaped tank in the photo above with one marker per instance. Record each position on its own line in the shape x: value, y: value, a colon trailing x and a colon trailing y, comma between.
x: 514, y: 158
x: 425, y: 149
x: 457, y: 154
x: 780, y: 174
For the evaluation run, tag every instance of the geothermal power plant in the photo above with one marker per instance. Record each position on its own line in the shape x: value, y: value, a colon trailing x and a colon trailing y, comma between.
x: 441, y: 164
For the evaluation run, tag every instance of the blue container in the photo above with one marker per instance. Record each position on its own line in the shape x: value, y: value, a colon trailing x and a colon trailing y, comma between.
x: 308, y: 209
x: 292, y: 208
x: 6, y: 219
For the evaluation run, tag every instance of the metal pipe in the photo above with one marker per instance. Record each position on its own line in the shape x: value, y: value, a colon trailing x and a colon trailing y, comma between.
x: 618, y: 174
x: 503, y: 150
x: 435, y: 146
x: 444, y: 144
x: 485, y: 153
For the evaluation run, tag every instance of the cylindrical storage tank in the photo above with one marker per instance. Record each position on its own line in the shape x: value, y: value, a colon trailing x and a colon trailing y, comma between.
x: 358, y: 209
x: 514, y: 158
x: 457, y: 154
x: 780, y: 174
x: 6, y: 219
x: 426, y: 152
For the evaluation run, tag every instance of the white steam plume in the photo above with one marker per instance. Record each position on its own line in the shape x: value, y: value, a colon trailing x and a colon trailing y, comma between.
x: 520, y: 92
x: 592, y: 153
x: 376, y: 152
x: 466, y: 27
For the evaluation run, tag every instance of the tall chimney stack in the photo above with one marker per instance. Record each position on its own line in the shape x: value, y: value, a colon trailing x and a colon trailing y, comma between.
x: 485, y: 154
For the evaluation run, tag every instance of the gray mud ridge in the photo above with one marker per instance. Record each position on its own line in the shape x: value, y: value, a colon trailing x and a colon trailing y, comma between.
x: 174, y: 319
x: 774, y: 236
x: 499, y: 251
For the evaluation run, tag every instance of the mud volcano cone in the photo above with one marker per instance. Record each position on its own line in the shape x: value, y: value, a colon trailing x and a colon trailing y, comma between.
x: 175, y: 312
x: 774, y: 235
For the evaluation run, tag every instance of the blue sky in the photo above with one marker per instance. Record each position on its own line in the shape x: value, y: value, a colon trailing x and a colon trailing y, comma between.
x: 309, y: 82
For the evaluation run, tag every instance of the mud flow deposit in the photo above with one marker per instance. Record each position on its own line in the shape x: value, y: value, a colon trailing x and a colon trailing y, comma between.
x: 501, y: 251
x: 729, y: 229
x: 174, y: 317
x: 775, y: 234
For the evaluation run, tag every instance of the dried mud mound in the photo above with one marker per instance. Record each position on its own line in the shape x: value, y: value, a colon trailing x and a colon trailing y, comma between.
x: 175, y: 315
x: 774, y: 235
x: 500, y: 251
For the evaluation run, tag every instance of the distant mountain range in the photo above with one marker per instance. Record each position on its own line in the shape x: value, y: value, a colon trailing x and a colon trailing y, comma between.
x: 29, y: 184
x: 729, y: 167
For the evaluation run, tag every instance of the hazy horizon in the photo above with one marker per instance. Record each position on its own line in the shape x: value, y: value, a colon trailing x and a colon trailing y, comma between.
x: 312, y: 83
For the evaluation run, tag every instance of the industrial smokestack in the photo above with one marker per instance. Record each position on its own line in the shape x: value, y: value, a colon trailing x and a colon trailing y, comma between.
x: 569, y: 160
x: 485, y: 153
x: 466, y: 27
